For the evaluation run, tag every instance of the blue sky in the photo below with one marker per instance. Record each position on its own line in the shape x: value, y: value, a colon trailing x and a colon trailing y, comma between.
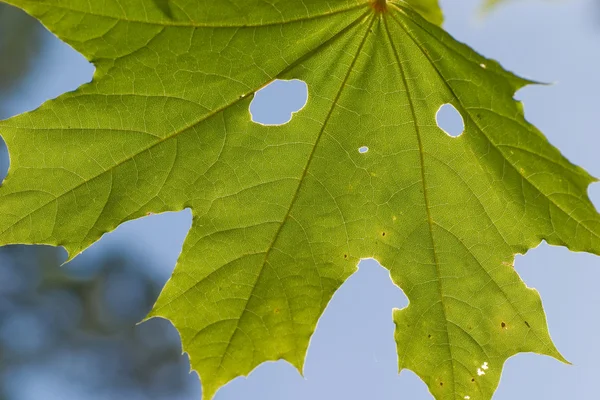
x: 352, y: 354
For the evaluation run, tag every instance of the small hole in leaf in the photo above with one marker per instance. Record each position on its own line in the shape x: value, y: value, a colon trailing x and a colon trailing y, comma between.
x: 363, y: 150
x: 276, y: 103
x: 450, y: 121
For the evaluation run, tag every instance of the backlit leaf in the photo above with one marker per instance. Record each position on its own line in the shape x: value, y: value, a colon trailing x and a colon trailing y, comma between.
x: 283, y: 214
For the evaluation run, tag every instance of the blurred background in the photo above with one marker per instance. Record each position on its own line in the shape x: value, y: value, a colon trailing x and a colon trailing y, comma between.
x: 70, y: 332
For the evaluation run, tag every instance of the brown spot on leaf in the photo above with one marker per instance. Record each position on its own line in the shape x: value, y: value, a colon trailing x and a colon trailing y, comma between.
x: 277, y: 311
x: 527, y: 323
x: 382, y: 233
x: 503, y: 325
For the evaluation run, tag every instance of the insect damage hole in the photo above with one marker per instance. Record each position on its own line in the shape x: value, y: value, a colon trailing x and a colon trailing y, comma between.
x: 594, y: 193
x: 4, y: 160
x: 450, y: 121
x: 276, y: 103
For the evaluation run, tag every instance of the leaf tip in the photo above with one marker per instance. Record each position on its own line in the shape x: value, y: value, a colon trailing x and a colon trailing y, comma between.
x: 558, y: 356
x: 209, y: 391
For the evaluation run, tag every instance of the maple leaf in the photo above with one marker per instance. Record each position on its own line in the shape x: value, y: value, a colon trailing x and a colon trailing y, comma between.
x: 283, y: 214
x: 430, y: 9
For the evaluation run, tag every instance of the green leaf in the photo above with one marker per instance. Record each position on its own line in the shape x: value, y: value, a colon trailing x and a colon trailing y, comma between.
x: 282, y: 215
x: 430, y: 9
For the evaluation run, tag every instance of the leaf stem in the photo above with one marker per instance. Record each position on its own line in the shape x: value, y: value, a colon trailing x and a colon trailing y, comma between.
x: 380, y: 6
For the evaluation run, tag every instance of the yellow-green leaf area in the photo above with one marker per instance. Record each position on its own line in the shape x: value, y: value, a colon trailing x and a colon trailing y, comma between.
x: 283, y: 214
x: 430, y: 9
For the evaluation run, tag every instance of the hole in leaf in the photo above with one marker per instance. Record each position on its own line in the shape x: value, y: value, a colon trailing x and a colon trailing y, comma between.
x: 481, y: 370
x: 450, y: 121
x: 4, y: 161
x: 276, y: 103
x: 594, y: 193
x: 363, y: 149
